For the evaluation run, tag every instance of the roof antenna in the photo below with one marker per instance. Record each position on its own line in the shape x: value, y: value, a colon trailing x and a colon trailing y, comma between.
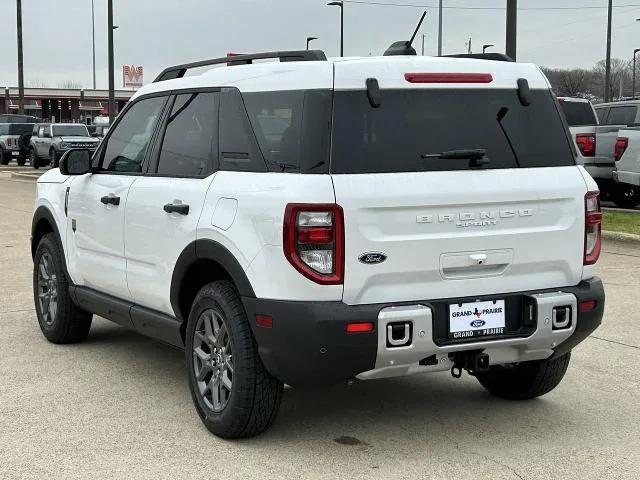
x: 403, y: 47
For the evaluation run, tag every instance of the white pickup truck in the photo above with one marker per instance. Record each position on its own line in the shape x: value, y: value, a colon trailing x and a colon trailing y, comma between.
x: 594, y: 132
x: 627, y: 173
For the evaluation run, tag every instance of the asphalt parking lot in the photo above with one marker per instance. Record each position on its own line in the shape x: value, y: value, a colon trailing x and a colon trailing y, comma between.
x: 118, y: 405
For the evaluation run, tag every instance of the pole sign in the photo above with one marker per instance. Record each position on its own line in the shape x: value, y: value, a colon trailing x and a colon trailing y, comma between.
x: 132, y: 76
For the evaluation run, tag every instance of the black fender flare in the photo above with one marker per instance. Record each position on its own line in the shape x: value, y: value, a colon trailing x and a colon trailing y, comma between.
x: 43, y: 213
x: 205, y: 249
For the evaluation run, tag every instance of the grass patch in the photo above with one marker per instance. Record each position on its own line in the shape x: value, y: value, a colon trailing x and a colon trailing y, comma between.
x: 621, y: 222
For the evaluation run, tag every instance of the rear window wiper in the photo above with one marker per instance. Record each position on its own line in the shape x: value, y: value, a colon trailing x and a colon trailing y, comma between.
x: 477, y: 156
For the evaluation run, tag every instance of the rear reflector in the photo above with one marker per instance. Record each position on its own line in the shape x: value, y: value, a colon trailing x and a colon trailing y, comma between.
x: 448, y: 77
x: 264, y: 321
x: 588, y: 305
x: 359, y: 327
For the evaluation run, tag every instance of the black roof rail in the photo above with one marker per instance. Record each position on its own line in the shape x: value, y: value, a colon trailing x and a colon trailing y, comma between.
x: 498, y: 57
x: 178, y: 71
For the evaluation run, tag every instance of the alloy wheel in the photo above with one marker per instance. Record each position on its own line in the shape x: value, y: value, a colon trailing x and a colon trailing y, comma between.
x: 213, y: 360
x: 47, y: 289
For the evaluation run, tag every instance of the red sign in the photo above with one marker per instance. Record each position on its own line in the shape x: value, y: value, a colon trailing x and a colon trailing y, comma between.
x: 132, y: 76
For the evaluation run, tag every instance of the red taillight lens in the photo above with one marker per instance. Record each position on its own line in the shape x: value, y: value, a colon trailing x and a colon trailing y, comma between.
x: 588, y: 305
x: 448, y: 77
x: 359, y: 327
x: 587, y: 144
x: 621, y: 145
x: 314, y: 241
x: 592, y: 228
x: 264, y: 321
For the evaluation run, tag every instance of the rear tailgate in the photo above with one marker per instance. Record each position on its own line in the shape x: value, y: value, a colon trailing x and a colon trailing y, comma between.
x: 446, y: 229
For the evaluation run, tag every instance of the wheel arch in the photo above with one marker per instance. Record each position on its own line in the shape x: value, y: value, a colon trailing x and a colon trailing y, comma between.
x: 202, y: 262
x: 43, y: 223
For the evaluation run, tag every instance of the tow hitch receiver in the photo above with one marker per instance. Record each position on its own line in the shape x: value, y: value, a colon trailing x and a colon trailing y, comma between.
x: 472, y: 362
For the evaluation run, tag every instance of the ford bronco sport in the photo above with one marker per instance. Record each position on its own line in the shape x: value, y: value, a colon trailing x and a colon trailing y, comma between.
x: 312, y: 221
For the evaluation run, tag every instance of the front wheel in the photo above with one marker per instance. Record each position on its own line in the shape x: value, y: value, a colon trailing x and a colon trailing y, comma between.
x: 61, y: 321
x: 525, y: 380
x: 232, y: 392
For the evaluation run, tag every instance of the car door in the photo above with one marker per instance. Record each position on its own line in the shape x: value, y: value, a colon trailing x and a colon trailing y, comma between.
x: 45, y: 141
x: 39, y: 139
x: 164, y: 206
x: 96, y: 201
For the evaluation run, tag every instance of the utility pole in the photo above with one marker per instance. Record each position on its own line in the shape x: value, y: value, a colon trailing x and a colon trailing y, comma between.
x: 440, y: 30
x: 20, y: 61
x: 423, y: 35
x: 607, y: 74
x: 93, y: 36
x: 512, y: 28
x: 112, y: 100
x: 633, y: 82
x: 469, y: 46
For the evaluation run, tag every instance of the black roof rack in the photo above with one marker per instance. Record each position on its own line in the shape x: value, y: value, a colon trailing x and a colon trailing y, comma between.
x: 498, y: 57
x: 178, y: 71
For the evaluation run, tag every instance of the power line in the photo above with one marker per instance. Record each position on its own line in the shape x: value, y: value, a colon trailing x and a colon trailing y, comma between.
x: 583, y: 7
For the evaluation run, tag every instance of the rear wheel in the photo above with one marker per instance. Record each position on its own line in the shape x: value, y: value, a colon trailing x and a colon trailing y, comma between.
x: 61, y: 321
x: 232, y: 392
x: 33, y: 158
x: 625, y: 196
x: 525, y: 380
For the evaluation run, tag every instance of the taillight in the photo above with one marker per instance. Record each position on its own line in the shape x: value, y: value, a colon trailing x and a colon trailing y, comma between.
x: 592, y: 228
x: 587, y: 144
x: 621, y: 145
x: 314, y: 241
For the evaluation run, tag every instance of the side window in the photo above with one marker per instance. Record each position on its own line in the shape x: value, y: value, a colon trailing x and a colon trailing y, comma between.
x: 127, y: 145
x: 601, y: 113
x: 238, y: 147
x: 622, y: 115
x: 41, y: 132
x: 190, y: 139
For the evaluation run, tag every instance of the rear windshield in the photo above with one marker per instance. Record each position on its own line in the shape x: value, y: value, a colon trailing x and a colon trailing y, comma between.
x: 20, y: 128
x: 70, y: 131
x: 579, y: 114
x: 412, y: 123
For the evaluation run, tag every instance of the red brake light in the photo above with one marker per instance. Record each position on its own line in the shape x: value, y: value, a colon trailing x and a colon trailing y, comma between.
x: 587, y: 144
x: 359, y: 327
x: 592, y: 228
x: 313, y: 240
x: 448, y: 77
x: 588, y: 305
x: 621, y: 145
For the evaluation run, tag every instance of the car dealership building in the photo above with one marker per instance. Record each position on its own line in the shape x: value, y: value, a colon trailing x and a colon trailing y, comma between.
x: 62, y: 104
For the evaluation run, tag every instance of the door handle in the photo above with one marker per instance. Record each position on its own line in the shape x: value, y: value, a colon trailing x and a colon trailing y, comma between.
x: 110, y: 200
x: 180, y: 208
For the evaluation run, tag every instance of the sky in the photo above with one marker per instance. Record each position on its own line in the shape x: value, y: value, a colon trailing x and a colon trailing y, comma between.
x: 158, y: 33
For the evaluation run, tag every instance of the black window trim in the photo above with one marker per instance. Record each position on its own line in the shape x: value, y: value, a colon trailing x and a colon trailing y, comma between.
x: 152, y: 170
x: 99, y: 153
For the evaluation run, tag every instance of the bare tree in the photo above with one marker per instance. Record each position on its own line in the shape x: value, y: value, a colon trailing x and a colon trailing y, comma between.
x: 71, y: 84
x: 37, y: 83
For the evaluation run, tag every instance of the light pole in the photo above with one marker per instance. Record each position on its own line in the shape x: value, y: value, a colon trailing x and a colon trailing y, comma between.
x: 309, y: 39
x: 110, y: 29
x: 440, y: 30
x: 20, y: 61
x: 607, y: 68
x: 633, y: 82
x: 423, y: 37
x: 512, y: 28
x: 93, y: 36
x: 484, y: 47
x: 341, y: 5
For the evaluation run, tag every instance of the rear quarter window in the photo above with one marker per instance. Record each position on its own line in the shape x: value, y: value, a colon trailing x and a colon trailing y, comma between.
x: 578, y: 114
x: 623, y: 115
x: 412, y: 123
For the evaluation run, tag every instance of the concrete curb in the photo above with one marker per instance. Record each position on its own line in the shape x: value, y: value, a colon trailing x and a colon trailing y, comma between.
x: 620, y: 236
x: 25, y: 176
x: 620, y: 210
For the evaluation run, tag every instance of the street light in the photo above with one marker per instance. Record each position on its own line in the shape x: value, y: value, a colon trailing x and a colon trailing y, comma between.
x: 633, y: 82
x: 484, y: 47
x: 309, y: 39
x: 341, y: 5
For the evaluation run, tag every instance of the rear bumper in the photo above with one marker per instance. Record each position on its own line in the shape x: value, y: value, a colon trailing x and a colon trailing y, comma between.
x: 600, y: 171
x: 308, y: 343
x: 631, y: 178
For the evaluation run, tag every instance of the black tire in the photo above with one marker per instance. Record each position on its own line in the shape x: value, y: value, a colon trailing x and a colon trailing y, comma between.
x: 33, y: 157
x: 525, y: 380
x: 625, y: 196
x: 5, y: 157
x: 53, y: 158
x: 254, y: 398
x: 69, y: 324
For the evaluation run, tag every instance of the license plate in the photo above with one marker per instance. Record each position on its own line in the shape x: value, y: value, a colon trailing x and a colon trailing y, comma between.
x: 476, y: 319
x: 15, y: 154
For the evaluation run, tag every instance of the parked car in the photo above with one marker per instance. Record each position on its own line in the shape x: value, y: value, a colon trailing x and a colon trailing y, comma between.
x: 14, y: 142
x: 370, y: 238
x: 15, y: 118
x: 627, y: 173
x: 50, y: 141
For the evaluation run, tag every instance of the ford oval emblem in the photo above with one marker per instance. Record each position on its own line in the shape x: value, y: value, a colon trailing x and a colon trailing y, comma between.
x: 372, y: 258
x: 478, y: 323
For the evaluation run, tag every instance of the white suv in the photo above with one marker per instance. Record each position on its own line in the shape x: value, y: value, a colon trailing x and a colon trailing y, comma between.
x: 312, y: 221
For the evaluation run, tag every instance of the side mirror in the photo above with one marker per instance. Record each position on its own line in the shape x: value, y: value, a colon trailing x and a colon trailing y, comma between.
x: 76, y: 161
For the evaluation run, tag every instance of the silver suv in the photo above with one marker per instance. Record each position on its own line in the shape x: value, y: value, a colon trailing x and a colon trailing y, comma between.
x: 49, y: 141
x: 14, y: 142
